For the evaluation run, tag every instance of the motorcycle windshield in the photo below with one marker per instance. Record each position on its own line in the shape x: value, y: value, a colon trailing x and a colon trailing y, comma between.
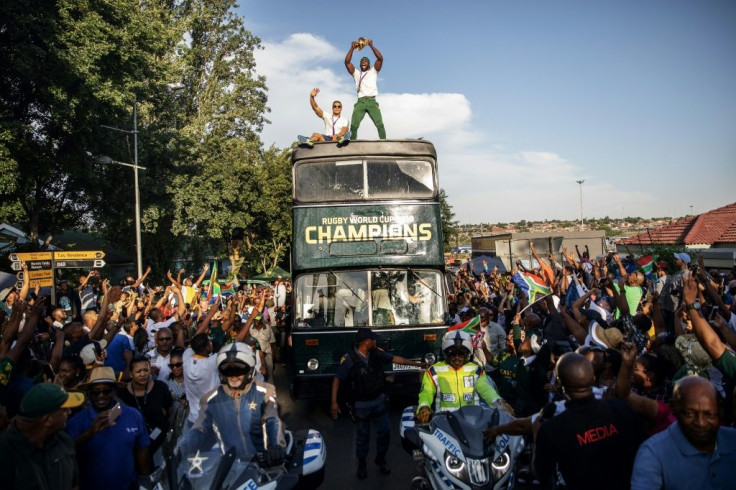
x: 467, y: 425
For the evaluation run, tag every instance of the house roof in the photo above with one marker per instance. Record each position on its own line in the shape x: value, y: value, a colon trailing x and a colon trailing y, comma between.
x: 716, y: 226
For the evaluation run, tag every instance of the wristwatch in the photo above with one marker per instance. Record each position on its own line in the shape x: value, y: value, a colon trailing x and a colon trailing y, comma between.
x: 692, y: 306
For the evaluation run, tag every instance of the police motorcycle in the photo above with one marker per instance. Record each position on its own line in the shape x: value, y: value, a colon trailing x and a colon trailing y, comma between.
x: 450, y: 451
x: 204, y: 465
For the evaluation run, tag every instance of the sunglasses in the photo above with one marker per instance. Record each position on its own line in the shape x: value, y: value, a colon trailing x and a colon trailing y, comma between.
x: 165, y: 339
x: 100, y: 392
x: 337, y: 107
x: 456, y: 353
x: 176, y: 365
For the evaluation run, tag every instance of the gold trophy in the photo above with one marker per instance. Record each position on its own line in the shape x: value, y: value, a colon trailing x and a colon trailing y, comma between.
x: 361, y: 43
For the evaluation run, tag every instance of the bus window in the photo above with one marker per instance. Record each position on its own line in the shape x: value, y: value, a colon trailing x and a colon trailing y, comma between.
x: 403, y: 179
x: 329, y: 299
x: 330, y: 181
x: 406, y: 298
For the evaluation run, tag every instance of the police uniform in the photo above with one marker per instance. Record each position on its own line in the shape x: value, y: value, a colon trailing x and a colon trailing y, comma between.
x: 364, y: 379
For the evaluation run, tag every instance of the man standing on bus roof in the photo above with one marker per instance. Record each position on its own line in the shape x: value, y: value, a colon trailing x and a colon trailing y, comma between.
x: 367, y: 87
x: 362, y: 377
x: 336, y: 126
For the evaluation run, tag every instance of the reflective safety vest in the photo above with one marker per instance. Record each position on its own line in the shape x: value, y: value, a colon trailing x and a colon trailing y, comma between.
x: 445, y: 388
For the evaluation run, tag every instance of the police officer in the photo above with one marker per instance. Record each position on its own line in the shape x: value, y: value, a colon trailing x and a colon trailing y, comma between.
x: 456, y: 382
x: 361, y: 374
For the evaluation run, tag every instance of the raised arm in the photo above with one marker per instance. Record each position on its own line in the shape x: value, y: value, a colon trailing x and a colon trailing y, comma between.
x: 11, y: 328
x: 313, y: 102
x: 622, y: 389
x: 142, y: 278
x: 621, y: 268
x: 349, y: 58
x: 26, y: 282
x: 703, y: 331
x: 205, y: 268
x: 26, y: 335
x: 256, y: 309
x: 96, y: 332
x: 379, y: 57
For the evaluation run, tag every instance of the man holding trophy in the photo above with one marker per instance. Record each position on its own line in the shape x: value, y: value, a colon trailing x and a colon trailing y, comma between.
x: 366, y: 85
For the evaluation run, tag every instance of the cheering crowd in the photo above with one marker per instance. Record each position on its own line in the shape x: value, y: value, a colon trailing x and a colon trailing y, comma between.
x: 122, y: 369
x: 620, y: 372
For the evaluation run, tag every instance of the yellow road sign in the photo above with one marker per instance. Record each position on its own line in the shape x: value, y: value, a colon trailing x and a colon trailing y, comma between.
x: 27, y: 256
x: 79, y: 255
x: 40, y: 274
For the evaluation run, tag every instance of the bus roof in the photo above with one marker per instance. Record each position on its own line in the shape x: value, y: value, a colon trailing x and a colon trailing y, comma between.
x: 363, y: 148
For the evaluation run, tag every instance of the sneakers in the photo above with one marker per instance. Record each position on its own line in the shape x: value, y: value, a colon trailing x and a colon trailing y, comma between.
x: 303, y: 140
x: 362, y: 473
x: 344, y: 138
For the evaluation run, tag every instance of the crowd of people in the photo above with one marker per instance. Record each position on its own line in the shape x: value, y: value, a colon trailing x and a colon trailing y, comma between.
x: 128, y: 366
x: 617, y: 374
x: 622, y: 376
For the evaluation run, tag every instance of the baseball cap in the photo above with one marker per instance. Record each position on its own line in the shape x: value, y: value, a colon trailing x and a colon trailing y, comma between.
x: 683, y: 256
x: 45, y: 398
x: 662, y: 264
x: 365, y: 334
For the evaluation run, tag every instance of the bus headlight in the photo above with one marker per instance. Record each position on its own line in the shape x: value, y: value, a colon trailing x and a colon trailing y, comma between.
x: 312, y: 364
x: 430, y: 358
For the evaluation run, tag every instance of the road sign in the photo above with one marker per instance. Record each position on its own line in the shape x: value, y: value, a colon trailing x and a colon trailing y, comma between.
x: 42, y: 274
x: 79, y: 255
x: 44, y: 283
x: 27, y: 256
x: 34, y: 265
x: 80, y: 264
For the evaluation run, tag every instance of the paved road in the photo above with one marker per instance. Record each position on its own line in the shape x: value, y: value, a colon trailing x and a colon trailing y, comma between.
x: 339, y: 437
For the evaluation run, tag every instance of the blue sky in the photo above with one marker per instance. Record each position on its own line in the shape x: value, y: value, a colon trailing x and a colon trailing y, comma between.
x: 523, y: 98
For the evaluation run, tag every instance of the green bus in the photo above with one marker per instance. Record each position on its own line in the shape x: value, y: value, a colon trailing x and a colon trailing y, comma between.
x: 366, y: 252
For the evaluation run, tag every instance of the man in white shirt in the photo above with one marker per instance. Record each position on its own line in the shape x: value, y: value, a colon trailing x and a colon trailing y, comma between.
x: 264, y: 335
x: 200, y: 372
x: 336, y: 126
x: 367, y: 87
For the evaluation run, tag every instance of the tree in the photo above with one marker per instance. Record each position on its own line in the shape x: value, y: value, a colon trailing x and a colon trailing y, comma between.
x: 66, y: 65
x: 449, y: 224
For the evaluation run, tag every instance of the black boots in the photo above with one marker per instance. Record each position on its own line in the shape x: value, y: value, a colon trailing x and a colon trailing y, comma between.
x: 382, y: 464
x: 362, y: 469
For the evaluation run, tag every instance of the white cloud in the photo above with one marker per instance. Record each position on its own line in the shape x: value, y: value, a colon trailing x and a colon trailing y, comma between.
x: 484, y: 181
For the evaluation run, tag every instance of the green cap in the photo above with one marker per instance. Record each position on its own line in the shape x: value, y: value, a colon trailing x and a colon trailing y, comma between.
x: 45, y: 398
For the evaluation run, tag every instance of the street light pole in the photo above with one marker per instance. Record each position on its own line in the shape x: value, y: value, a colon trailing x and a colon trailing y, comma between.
x: 138, y: 244
x: 581, y: 203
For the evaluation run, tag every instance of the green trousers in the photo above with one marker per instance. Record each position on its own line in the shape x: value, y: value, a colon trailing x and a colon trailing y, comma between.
x: 369, y: 105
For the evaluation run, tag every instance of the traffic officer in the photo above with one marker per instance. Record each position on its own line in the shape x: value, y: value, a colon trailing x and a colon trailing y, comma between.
x: 361, y: 376
x: 455, y: 382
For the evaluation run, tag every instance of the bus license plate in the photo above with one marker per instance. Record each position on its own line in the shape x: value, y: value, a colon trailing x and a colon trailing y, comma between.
x: 404, y: 367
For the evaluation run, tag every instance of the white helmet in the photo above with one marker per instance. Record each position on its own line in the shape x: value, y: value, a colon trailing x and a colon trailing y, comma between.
x: 457, y: 339
x: 236, y: 359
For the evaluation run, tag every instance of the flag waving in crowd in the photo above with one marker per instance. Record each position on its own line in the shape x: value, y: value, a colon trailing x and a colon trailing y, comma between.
x: 647, y: 265
x: 532, y: 286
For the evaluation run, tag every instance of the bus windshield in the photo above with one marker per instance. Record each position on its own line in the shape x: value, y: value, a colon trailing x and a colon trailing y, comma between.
x: 360, y: 180
x: 372, y: 298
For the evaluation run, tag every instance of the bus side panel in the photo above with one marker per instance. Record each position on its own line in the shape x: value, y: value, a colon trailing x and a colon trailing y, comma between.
x: 367, y: 235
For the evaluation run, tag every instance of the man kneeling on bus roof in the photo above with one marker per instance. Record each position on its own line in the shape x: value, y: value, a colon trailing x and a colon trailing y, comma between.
x: 455, y: 382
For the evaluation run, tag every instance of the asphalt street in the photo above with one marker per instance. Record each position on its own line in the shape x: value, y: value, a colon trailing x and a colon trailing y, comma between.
x: 339, y: 436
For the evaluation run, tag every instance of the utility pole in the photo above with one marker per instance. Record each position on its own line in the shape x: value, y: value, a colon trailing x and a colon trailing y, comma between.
x: 581, y: 202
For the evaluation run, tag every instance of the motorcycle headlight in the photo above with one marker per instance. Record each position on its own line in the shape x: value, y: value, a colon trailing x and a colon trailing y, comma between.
x: 455, y: 466
x: 501, y: 465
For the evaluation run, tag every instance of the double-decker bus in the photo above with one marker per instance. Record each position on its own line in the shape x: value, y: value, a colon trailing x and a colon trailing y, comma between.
x: 366, y: 252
